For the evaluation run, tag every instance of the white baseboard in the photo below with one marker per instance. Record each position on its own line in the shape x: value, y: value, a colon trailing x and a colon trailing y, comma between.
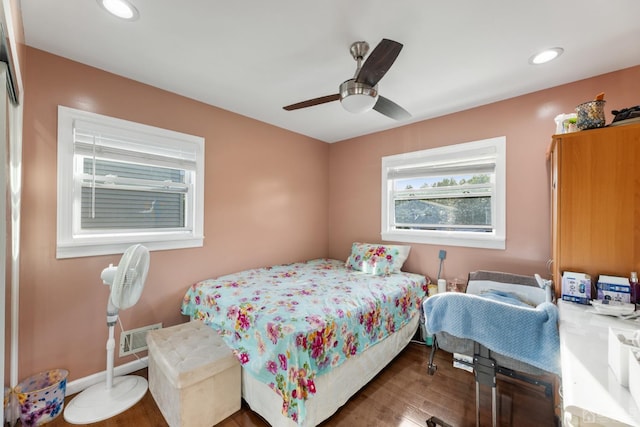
x: 80, y: 384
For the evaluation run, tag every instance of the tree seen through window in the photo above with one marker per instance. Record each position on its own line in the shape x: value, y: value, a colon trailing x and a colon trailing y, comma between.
x: 444, y: 203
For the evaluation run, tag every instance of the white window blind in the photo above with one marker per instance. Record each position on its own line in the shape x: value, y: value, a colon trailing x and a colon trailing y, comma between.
x: 122, y: 183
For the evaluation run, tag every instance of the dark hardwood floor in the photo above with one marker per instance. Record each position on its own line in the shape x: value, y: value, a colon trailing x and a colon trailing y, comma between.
x: 402, y: 395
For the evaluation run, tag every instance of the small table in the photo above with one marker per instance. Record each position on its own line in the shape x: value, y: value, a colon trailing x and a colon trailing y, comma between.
x: 591, y: 394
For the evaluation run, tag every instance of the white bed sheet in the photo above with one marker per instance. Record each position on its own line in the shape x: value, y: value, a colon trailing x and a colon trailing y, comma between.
x: 334, y: 388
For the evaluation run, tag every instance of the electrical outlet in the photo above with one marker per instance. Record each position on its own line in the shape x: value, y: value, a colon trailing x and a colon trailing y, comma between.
x: 442, y: 254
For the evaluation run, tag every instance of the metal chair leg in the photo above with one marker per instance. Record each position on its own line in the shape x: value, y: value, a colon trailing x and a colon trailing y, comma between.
x: 432, y: 367
x: 494, y: 406
x: 484, y: 368
x: 477, y: 404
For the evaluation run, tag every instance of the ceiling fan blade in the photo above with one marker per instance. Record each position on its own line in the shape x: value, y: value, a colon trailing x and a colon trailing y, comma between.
x: 312, y: 102
x: 390, y: 109
x: 378, y: 62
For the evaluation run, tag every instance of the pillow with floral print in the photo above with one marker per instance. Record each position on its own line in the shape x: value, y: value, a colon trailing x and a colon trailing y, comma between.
x: 377, y: 259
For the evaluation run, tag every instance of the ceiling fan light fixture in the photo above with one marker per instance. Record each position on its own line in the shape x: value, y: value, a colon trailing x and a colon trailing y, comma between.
x: 357, y: 97
x: 122, y: 9
x: 546, y: 56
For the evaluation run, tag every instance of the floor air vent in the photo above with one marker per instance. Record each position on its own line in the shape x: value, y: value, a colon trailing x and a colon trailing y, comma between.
x: 135, y: 340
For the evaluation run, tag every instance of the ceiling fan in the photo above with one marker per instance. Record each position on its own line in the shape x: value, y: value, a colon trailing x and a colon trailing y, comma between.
x: 360, y: 93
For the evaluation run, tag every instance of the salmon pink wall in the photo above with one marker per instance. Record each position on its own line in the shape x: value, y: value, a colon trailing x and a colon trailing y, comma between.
x: 265, y: 203
x: 526, y: 121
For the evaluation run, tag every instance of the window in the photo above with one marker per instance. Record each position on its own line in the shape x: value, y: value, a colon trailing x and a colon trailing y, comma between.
x: 121, y: 183
x: 453, y: 195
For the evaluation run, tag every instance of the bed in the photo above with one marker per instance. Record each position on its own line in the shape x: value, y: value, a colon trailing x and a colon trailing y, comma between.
x: 311, y: 334
x: 504, y: 324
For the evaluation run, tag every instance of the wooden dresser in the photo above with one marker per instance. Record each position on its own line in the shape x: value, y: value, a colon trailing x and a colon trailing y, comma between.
x: 595, y: 178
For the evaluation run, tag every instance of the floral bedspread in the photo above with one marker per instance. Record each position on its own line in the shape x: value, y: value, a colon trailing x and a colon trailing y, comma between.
x: 288, y: 324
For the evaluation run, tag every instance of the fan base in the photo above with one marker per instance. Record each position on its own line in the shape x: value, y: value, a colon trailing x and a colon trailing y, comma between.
x: 359, y: 50
x: 98, y: 403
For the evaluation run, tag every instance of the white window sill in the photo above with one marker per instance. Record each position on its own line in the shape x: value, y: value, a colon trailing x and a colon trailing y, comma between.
x: 443, y: 238
x: 91, y: 248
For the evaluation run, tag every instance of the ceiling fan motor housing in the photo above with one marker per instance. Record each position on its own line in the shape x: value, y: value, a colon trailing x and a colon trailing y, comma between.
x: 358, y: 97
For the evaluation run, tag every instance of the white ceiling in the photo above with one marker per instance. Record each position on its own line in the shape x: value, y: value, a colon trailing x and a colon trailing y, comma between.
x: 253, y: 57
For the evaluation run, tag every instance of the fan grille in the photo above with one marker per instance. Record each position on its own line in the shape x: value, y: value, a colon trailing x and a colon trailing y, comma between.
x: 130, y: 277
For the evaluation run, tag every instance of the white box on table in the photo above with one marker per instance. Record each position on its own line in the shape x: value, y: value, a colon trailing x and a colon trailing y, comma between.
x: 634, y: 375
x: 614, y: 288
x: 619, y: 350
x: 576, y: 287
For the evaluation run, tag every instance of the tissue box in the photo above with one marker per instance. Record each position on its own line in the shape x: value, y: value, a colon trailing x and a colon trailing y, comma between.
x: 614, y: 288
x: 619, y: 354
x: 634, y: 375
x: 576, y: 287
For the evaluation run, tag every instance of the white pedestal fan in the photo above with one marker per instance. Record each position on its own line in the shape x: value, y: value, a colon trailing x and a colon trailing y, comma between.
x: 115, y: 395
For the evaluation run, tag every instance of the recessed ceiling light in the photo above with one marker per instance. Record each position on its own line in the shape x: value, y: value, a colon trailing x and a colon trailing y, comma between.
x: 546, y: 55
x: 123, y: 9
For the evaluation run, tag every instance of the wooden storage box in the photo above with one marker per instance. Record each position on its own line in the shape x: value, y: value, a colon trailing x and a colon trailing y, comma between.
x: 193, y: 375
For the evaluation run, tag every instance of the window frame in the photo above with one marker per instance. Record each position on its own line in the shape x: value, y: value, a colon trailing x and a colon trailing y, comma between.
x: 71, y: 240
x: 496, y: 239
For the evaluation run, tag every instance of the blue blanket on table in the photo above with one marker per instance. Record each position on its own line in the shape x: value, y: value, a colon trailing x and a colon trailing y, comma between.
x: 500, y: 322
